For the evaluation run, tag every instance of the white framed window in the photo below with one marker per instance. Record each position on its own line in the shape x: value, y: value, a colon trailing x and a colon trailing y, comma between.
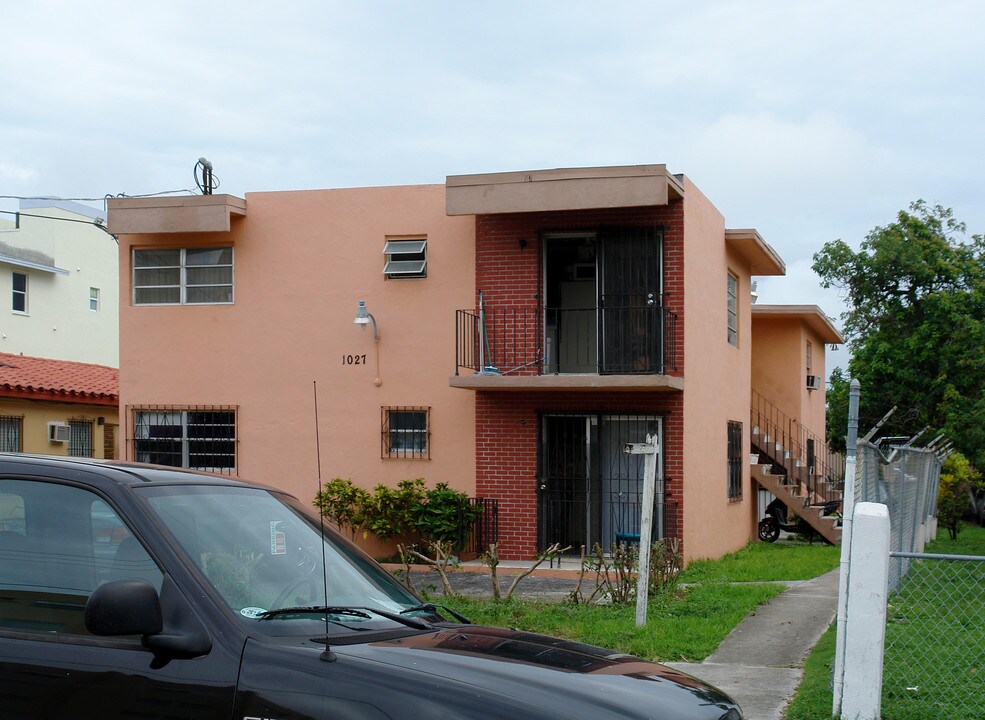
x: 733, y: 310
x: 406, y: 432
x: 200, y: 438
x: 406, y: 258
x: 94, y: 299
x: 183, y: 276
x: 18, y: 298
x: 809, y: 351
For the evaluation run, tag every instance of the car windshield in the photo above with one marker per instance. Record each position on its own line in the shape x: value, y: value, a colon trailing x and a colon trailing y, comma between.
x: 262, y: 552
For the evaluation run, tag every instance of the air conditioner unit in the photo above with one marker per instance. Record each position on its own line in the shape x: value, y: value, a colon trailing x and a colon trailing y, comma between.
x: 813, y: 382
x: 57, y: 432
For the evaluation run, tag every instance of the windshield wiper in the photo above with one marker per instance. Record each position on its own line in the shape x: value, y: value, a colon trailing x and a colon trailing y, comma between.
x: 431, y: 607
x: 319, y: 609
x: 363, y: 612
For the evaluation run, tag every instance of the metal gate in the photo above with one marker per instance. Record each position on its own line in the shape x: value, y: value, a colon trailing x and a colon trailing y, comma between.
x: 589, y: 489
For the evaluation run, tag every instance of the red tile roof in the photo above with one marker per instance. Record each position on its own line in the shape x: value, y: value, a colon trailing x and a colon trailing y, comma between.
x: 58, y: 380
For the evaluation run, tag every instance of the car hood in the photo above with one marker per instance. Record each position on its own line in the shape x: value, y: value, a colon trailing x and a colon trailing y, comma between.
x: 483, y: 672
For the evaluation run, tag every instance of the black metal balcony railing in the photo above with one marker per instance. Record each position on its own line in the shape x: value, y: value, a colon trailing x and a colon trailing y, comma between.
x: 636, y: 339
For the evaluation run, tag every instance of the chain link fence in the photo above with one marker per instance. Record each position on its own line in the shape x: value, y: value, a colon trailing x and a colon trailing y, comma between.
x: 934, y: 662
x: 904, y: 479
x: 935, y: 640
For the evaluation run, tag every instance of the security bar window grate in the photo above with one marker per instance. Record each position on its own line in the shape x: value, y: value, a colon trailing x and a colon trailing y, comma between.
x: 735, y: 456
x: 199, y: 438
x: 80, y: 438
x: 10, y: 433
x: 406, y: 432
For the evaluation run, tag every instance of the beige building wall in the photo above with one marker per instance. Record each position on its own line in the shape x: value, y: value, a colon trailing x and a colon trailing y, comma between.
x: 779, y: 369
x: 302, y: 261
x: 716, y: 382
x: 37, y: 414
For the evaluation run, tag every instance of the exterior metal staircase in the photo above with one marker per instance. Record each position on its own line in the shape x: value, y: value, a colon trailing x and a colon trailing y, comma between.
x: 795, y: 466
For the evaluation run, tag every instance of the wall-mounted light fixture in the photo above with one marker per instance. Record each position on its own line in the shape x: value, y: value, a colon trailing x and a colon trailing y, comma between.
x: 364, y: 318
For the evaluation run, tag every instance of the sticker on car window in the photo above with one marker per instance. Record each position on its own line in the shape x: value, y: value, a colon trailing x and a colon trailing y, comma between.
x: 278, y: 541
x: 252, y: 612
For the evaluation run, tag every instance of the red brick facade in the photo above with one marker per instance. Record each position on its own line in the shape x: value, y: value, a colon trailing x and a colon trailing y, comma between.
x: 508, y: 273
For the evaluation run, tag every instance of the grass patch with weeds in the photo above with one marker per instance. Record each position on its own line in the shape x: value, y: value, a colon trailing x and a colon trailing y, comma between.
x: 685, y: 625
x: 766, y: 562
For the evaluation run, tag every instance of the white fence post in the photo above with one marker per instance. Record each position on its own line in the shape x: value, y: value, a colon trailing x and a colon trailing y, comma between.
x: 865, y: 626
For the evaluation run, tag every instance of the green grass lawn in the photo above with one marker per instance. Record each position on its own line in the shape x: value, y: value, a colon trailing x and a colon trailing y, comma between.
x: 686, y: 624
x: 767, y: 562
x: 935, y: 665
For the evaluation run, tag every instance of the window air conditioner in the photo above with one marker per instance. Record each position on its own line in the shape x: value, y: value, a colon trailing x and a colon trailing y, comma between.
x: 813, y: 382
x: 57, y: 432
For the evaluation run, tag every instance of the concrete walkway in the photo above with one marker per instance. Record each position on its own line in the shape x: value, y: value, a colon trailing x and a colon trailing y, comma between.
x: 761, y: 662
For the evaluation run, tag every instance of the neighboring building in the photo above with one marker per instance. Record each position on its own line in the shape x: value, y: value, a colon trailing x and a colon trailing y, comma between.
x: 59, y: 278
x: 578, y: 310
x: 58, y: 407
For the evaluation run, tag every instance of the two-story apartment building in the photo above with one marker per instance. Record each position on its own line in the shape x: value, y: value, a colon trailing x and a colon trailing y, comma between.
x: 525, y: 327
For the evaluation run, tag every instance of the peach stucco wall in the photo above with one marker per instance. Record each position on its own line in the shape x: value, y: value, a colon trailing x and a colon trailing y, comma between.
x: 716, y: 384
x: 302, y: 261
x: 779, y: 370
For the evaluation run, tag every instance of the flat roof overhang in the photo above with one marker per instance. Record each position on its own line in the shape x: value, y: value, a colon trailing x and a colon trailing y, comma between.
x: 184, y: 214
x: 561, y: 383
x: 561, y: 189
x: 810, y: 315
x: 762, y: 258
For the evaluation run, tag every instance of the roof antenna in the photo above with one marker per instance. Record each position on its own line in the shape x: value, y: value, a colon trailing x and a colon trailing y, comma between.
x: 203, y: 176
x: 327, y: 655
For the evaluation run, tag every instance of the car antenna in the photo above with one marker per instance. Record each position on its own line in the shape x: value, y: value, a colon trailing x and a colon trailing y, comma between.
x: 327, y: 655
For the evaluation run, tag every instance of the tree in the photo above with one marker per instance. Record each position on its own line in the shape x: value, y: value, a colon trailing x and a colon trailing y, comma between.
x: 915, y: 325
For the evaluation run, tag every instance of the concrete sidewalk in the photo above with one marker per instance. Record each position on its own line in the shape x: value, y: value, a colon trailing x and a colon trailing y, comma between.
x: 761, y: 662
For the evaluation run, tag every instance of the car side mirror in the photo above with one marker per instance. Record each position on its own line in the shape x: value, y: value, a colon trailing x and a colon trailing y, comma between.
x: 124, y: 607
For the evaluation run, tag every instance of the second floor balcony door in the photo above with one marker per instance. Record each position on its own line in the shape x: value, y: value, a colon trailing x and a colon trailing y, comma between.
x: 630, y: 302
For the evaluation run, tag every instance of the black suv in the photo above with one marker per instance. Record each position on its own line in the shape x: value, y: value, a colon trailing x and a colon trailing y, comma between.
x: 149, y: 592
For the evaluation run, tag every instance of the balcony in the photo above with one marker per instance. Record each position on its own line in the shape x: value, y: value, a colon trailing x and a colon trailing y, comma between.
x: 624, y: 347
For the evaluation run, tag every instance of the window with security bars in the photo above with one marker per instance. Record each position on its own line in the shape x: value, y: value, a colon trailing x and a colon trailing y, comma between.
x: 80, y: 438
x: 735, y: 455
x: 199, y: 438
x: 10, y: 433
x: 183, y: 276
x: 406, y: 432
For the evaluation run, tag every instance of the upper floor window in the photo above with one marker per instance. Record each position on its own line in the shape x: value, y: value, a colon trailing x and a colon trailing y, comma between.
x: 18, y: 298
x: 183, y: 276
x: 94, y: 299
x: 406, y: 432
x: 733, y: 310
x: 199, y: 438
x: 406, y: 258
x: 734, y: 460
x: 809, y: 352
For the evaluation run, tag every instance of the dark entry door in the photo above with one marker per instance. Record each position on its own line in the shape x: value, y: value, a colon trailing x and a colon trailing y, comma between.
x: 630, y: 300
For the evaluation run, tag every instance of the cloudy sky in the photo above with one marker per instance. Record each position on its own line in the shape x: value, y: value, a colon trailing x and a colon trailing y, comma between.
x: 809, y: 121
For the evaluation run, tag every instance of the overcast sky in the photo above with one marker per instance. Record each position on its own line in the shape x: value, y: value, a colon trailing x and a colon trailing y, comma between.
x: 809, y: 121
